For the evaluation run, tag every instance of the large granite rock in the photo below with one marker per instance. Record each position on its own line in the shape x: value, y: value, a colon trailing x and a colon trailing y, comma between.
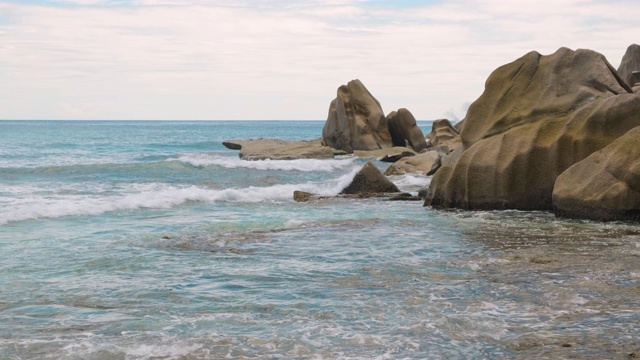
x: 630, y: 63
x: 605, y: 185
x: 444, y: 133
x: 356, y: 120
x: 405, y: 131
x: 273, y: 149
x: 537, y: 116
x: 370, y: 180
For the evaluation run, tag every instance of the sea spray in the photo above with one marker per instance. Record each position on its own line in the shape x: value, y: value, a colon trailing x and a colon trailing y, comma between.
x: 306, y: 165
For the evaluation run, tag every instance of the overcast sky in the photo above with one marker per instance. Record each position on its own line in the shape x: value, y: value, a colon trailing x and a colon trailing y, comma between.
x: 279, y: 59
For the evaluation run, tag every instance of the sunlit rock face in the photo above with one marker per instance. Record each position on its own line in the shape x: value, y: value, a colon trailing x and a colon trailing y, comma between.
x: 356, y: 120
x: 605, y: 185
x: 537, y: 116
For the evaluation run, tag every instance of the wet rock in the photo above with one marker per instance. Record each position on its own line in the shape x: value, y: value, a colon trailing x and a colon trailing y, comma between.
x: 605, y: 185
x: 356, y: 120
x: 404, y: 130
x: 537, y: 116
x: 302, y: 196
x: 273, y: 149
x: 370, y: 180
x: 404, y: 197
x: 422, y: 193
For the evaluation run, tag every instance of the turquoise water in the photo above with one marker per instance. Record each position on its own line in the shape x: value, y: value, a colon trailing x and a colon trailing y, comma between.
x: 150, y: 240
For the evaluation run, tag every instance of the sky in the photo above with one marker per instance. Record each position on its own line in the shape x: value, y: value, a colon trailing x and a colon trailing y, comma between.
x: 279, y: 59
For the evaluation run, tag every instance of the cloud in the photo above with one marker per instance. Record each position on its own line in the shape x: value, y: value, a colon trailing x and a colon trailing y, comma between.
x: 217, y: 59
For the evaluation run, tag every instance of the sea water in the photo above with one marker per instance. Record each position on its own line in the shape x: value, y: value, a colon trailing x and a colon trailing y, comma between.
x: 151, y: 240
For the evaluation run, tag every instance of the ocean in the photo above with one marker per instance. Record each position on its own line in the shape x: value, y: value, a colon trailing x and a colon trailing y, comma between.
x: 150, y: 240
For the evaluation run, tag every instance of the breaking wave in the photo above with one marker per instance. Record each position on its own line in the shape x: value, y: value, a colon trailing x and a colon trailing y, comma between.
x: 305, y: 165
x: 157, y: 196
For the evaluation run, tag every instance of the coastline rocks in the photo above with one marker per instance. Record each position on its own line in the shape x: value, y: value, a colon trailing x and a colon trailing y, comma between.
x: 405, y: 131
x: 388, y: 155
x: 370, y: 180
x: 630, y: 63
x: 355, y: 121
x: 536, y: 117
x: 426, y: 163
x: 444, y: 133
x: 605, y: 185
x: 272, y: 149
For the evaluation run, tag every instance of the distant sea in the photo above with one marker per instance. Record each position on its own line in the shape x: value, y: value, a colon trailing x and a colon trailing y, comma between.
x: 150, y: 240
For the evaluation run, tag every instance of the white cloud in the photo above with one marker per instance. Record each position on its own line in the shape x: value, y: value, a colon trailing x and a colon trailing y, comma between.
x: 222, y: 59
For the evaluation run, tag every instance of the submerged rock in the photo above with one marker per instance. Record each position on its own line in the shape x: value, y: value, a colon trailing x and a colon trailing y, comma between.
x: 404, y: 130
x: 272, y: 149
x: 537, y: 116
x: 356, y: 120
x: 605, y: 185
x: 370, y: 180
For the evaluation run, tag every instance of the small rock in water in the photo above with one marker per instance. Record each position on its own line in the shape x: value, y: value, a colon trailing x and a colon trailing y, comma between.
x: 370, y: 180
x: 302, y: 196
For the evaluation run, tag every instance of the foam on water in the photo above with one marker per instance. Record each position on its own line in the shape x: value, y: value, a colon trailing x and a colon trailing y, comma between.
x: 176, y: 249
x: 306, y: 165
x: 154, y: 196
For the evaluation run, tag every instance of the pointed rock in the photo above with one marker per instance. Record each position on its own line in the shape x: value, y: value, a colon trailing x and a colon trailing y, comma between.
x: 629, y: 68
x: 370, y: 180
x: 355, y: 120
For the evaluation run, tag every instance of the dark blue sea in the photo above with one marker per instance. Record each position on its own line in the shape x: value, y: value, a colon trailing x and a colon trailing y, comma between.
x: 151, y: 240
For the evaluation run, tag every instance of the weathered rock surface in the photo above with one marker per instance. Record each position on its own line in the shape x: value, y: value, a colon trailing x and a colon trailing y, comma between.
x: 537, y: 116
x: 425, y: 163
x: 444, y: 133
x: 356, y: 120
x: 370, y: 180
x: 605, y: 185
x: 404, y: 130
x: 396, y: 152
x: 630, y: 63
x: 262, y: 149
x: 302, y: 196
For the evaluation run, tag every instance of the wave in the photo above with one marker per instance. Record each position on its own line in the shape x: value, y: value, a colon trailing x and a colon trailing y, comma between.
x: 94, y: 168
x: 410, y: 182
x: 305, y: 165
x: 157, y: 196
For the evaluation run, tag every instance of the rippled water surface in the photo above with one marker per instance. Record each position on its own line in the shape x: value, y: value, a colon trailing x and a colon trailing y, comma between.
x: 149, y: 240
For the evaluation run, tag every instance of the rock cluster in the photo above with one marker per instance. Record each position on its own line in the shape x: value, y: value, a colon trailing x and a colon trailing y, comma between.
x: 538, y: 116
x: 356, y: 122
x: 559, y: 132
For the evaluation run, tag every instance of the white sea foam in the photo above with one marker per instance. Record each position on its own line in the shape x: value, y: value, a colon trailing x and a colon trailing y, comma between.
x: 156, y: 196
x: 305, y: 165
x: 410, y: 182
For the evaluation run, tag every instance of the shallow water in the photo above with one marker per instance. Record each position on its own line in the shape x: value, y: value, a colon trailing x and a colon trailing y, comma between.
x: 149, y: 240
